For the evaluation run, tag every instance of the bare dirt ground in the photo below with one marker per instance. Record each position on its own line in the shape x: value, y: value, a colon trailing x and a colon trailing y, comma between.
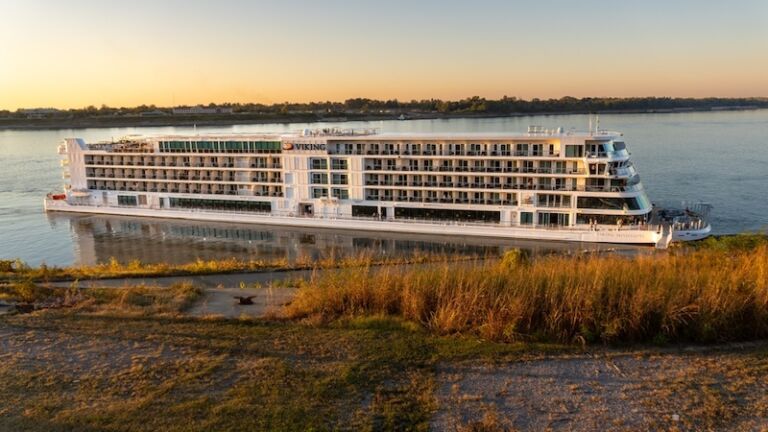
x: 68, y: 366
x: 723, y: 388
x: 222, y: 302
x: 29, y: 349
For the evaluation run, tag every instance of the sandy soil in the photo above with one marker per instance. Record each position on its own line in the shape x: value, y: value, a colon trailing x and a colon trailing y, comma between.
x: 680, y: 389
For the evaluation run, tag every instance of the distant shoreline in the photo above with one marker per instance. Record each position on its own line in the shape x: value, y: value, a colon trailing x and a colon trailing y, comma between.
x: 255, y: 118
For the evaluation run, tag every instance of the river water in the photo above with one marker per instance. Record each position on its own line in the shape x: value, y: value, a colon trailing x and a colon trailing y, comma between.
x: 717, y: 157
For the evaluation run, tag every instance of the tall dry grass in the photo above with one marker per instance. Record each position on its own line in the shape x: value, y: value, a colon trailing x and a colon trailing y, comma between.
x: 700, y: 295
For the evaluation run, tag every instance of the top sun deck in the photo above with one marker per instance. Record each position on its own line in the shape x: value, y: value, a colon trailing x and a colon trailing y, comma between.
x: 137, y: 143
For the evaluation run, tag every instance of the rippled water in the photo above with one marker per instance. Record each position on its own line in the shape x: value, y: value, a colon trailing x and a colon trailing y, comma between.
x: 717, y: 157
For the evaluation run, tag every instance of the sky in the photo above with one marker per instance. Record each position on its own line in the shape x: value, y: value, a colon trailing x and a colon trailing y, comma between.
x: 75, y: 53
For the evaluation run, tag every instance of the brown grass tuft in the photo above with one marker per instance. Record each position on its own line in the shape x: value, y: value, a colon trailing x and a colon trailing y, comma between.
x: 702, y: 295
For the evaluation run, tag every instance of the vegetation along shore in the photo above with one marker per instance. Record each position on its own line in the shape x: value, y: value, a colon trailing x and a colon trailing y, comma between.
x: 359, y: 109
x: 665, y: 340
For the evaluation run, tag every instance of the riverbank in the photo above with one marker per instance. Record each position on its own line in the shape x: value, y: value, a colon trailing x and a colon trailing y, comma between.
x: 106, y: 372
x: 256, y: 118
x: 435, y: 346
x: 15, y: 270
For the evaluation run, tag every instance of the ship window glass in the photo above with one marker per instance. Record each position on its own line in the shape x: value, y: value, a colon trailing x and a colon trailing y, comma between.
x: 574, y: 151
x: 319, y: 178
x: 553, y: 200
x: 231, y: 205
x: 127, y: 200
x: 610, y: 219
x: 613, y: 203
x: 340, y: 193
x: 340, y: 179
x: 318, y: 163
x: 364, y: 211
x: 339, y: 164
x: 526, y: 218
x: 447, y: 214
x: 319, y: 192
x: 561, y: 219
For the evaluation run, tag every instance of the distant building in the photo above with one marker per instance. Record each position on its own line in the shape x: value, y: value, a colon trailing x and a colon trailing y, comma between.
x: 155, y: 113
x: 38, y: 112
x: 201, y: 110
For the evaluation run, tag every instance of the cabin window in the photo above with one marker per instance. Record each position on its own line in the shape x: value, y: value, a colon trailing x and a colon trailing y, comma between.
x: 319, y: 192
x: 338, y: 164
x: 574, y: 151
x: 340, y: 179
x: 340, y: 193
x: 319, y: 178
x: 317, y: 164
x: 364, y: 211
x: 127, y: 200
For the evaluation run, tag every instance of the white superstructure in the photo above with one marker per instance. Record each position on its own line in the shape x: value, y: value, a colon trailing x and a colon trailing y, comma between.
x: 543, y: 184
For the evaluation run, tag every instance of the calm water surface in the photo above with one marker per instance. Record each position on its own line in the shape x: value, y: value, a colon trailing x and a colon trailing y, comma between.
x: 718, y: 157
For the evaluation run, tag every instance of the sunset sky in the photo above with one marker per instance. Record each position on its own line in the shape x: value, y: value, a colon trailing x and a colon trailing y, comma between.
x: 76, y: 53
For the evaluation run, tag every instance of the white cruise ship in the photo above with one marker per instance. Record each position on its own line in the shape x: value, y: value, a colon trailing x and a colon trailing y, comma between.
x: 543, y: 184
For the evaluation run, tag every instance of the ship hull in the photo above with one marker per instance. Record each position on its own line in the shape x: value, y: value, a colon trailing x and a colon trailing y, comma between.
x: 599, y: 235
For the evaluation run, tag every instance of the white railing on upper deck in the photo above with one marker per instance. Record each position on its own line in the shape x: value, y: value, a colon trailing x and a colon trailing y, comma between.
x: 319, y: 132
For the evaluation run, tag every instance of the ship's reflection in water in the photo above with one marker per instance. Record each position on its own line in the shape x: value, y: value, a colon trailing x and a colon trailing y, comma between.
x: 100, y: 238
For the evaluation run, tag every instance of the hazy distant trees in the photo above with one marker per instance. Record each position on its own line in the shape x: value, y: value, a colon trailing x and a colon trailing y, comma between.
x: 468, y: 106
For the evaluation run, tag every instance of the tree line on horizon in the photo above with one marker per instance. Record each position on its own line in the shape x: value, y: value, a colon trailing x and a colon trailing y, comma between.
x: 471, y: 105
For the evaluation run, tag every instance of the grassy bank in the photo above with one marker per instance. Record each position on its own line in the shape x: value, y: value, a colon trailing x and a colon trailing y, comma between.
x: 716, y: 292
x: 119, y: 365
x: 117, y: 368
x: 387, y: 348
x: 11, y: 270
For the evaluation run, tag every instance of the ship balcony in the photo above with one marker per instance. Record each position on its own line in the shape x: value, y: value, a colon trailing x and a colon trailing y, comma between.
x: 614, y: 155
x: 477, y: 169
x: 610, y: 189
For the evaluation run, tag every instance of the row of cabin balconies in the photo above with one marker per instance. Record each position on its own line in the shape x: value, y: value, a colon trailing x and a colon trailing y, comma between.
x: 530, y: 185
x: 446, y: 149
x: 231, y: 176
x: 554, y: 154
x: 190, y: 188
x: 479, y: 169
x: 529, y: 153
x: 459, y: 181
x: 444, y: 197
x: 191, y: 179
x: 184, y: 161
x: 231, y: 167
x: 466, y: 198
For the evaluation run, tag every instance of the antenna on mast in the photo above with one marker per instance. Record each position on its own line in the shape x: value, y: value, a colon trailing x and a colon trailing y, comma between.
x: 597, y: 123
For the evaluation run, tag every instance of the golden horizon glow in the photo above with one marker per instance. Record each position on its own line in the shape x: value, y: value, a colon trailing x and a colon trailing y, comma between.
x: 81, y: 53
